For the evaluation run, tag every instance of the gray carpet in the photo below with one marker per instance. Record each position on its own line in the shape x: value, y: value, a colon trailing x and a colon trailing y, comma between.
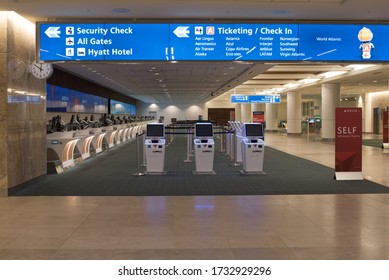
x: 110, y: 173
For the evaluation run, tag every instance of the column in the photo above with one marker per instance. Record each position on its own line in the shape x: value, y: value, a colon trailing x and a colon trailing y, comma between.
x: 271, y: 117
x: 22, y: 114
x: 330, y: 99
x: 246, y: 112
x: 361, y: 104
x: 294, y: 113
x: 238, y: 113
x: 3, y: 106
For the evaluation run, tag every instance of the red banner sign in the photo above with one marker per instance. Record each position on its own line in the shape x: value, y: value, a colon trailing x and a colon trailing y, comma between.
x: 258, y: 117
x: 348, y: 145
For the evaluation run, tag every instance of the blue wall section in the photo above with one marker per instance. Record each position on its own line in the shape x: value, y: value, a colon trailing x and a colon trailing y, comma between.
x: 60, y: 99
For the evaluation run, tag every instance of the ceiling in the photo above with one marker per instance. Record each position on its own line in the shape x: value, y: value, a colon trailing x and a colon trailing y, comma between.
x: 202, y: 81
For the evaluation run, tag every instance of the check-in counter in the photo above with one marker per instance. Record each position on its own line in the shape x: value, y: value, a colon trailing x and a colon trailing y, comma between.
x: 125, y: 134
x: 128, y: 133
x: 97, y: 142
x: 84, y: 144
x: 63, y: 147
x: 134, y: 131
x: 110, y: 137
x: 119, y: 136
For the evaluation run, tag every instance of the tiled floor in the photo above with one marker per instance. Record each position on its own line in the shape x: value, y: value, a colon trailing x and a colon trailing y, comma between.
x: 203, y: 227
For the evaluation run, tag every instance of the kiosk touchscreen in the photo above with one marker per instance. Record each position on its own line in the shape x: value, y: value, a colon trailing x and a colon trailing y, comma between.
x: 253, y: 148
x: 155, y: 148
x: 204, y: 147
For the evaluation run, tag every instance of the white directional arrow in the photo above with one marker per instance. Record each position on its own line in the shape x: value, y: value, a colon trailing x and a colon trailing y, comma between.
x: 181, y: 31
x: 53, y: 32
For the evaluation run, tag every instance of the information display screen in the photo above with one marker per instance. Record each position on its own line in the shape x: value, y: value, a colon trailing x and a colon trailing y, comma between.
x: 212, y: 41
x: 253, y: 129
x: 203, y: 130
x: 155, y: 130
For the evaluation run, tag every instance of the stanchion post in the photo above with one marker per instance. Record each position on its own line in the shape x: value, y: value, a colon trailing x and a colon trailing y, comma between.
x: 191, y: 150
x: 138, y: 172
x: 144, y: 163
x: 222, y: 141
x: 235, y: 150
x: 188, y: 146
x: 231, y: 144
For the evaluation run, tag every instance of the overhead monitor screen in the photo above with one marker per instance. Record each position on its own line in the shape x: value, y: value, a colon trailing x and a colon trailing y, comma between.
x: 155, y: 130
x: 254, y: 129
x: 203, y: 130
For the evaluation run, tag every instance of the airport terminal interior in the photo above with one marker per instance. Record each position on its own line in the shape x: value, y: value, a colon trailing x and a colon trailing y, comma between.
x: 154, y: 151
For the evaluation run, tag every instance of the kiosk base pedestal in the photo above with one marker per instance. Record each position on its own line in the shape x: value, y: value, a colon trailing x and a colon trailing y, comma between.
x: 385, y: 145
x: 348, y: 176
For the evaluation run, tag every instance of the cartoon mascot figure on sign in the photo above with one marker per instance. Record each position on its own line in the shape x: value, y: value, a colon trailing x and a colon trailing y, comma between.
x: 365, y: 36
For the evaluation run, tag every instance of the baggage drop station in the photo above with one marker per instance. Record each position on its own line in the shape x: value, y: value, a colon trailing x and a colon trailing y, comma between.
x: 253, y: 148
x: 155, y: 148
x: 204, y: 147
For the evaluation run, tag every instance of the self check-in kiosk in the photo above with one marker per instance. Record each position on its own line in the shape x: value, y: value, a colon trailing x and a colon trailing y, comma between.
x: 155, y: 148
x: 204, y: 147
x: 253, y: 148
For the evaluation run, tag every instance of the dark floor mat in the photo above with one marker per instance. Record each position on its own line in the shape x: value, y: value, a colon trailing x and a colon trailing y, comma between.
x: 110, y: 174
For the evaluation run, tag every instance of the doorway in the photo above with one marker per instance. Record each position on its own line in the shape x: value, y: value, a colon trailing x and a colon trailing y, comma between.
x: 221, y: 115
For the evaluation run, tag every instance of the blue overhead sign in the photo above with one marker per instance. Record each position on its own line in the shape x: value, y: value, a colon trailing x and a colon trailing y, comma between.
x: 240, y: 98
x: 71, y: 41
x: 207, y: 41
